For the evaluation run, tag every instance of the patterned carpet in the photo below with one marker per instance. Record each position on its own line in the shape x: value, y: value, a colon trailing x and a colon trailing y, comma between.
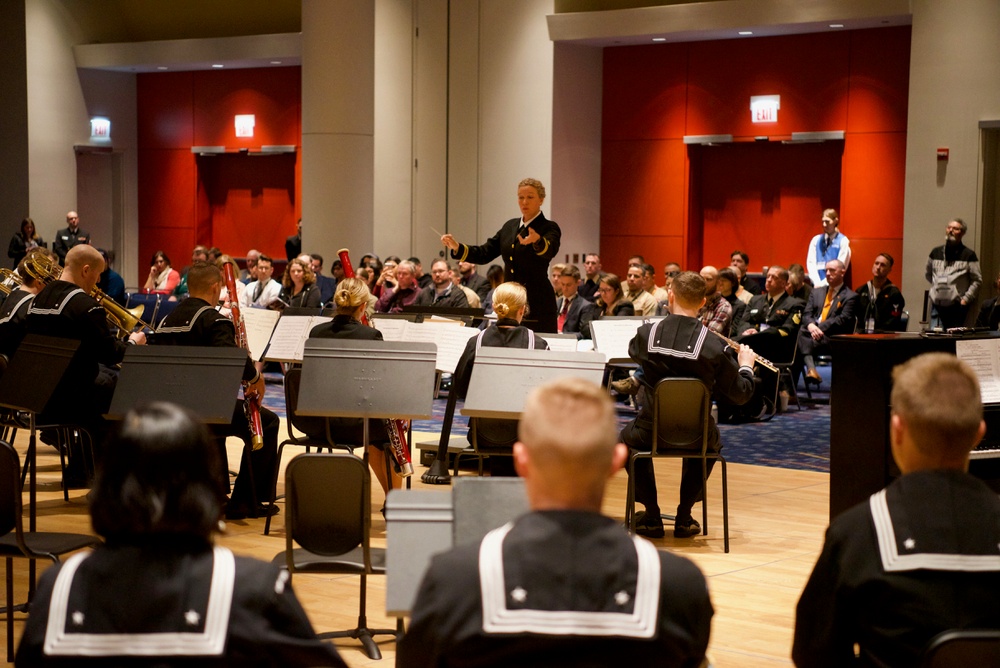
x: 796, y: 439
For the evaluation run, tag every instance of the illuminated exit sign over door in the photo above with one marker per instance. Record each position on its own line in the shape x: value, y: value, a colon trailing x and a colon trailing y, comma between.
x: 764, y: 108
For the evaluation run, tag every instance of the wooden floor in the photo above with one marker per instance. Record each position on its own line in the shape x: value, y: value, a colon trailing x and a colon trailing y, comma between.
x: 777, y: 521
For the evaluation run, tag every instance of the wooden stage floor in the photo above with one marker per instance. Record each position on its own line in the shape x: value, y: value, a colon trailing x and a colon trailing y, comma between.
x: 777, y: 521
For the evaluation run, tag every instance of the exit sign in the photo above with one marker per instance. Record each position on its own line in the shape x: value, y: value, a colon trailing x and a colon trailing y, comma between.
x: 764, y: 108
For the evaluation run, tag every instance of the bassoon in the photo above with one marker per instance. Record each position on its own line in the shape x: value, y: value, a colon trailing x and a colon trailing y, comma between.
x: 251, y: 404
x: 395, y: 428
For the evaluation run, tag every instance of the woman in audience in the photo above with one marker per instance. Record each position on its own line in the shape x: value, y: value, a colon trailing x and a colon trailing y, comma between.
x: 24, y: 241
x: 158, y: 592
x: 726, y: 282
x: 610, y: 302
x: 510, y: 302
x: 298, y: 285
x: 351, y: 298
x: 162, y: 278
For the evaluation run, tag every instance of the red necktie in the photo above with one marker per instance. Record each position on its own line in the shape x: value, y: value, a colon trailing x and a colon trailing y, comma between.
x: 562, y: 315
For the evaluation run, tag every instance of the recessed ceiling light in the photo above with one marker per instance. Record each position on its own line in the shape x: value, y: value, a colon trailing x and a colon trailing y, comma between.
x: 275, y: 62
x: 836, y: 25
x: 161, y: 67
x: 659, y: 39
x: 218, y: 66
x: 746, y: 32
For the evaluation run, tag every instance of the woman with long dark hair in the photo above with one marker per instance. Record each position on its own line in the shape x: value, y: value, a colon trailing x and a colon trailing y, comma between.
x: 23, y: 241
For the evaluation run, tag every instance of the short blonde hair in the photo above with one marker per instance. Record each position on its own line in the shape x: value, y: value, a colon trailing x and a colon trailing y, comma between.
x: 508, y: 298
x: 569, y: 428
x: 534, y: 183
x: 351, y: 293
x: 937, y: 396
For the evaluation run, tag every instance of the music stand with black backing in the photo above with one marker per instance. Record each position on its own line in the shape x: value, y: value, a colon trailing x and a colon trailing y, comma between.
x: 202, y: 379
x: 368, y: 380
x: 31, y: 378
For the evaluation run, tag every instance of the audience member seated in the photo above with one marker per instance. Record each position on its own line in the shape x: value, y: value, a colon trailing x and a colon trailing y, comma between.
x: 649, y: 283
x: 23, y: 242
x: 510, y: 302
x: 352, y: 298
x: 884, y: 312
x: 249, y: 275
x: 198, y: 254
x: 405, y: 292
x: 326, y: 284
x: 111, y: 283
x: 470, y: 294
x: 261, y: 292
x: 495, y: 276
x: 642, y: 301
x: 774, y: 312
x: 158, y: 592
x: 741, y: 261
x: 716, y: 313
x: 563, y: 584
x: 989, y: 314
x: 679, y: 346
x: 571, y: 305
x: 471, y: 279
x: 726, y: 284
x: 611, y: 302
x: 423, y: 280
x: 442, y: 291
x: 919, y: 557
x: 798, y: 283
x: 831, y: 310
x: 386, y: 277
x: 592, y: 269
x: 298, y: 285
x: 195, y: 322
x: 163, y: 279
x: 555, y: 272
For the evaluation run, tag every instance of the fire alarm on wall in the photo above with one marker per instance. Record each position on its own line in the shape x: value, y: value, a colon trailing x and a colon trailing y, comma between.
x: 942, y: 154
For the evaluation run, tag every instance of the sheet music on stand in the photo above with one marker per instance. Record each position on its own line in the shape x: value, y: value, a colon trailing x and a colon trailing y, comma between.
x: 449, y: 337
x: 259, y: 323
x: 983, y: 355
x: 612, y: 336
x: 289, y: 337
x: 567, y: 343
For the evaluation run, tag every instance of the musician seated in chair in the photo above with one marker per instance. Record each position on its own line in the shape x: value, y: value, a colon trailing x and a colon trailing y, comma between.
x: 562, y: 585
x: 65, y: 309
x: 158, y: 593
x: 14, y: 309
x: 351, y: 298
x: 919, y: 557
x: 680, y: 346
x: 510, y: 302
x: 195, y: 322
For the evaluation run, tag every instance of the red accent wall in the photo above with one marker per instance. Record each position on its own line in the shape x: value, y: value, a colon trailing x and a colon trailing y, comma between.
x: 236, y: 202
x: 694, y: 204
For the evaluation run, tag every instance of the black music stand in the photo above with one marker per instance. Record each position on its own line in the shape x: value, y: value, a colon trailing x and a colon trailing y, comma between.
x: 27, y: 385
x: 367, y: 379
x: 202, y: 379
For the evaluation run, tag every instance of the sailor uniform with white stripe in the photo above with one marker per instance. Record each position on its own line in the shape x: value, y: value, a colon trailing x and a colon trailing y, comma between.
x: 13, y: 320
x: 196, y: 323
x: 920, y: 557
x: 559, y: 588
x: 169, y: 601
x: 680, y: 347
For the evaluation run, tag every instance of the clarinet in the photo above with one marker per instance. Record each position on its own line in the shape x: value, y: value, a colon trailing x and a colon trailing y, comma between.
x: 395, y: 428
x: 251, y: 405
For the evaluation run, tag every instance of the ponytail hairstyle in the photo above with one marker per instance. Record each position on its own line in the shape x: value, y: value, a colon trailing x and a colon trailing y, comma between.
x: 508, y: 299
x: 351, y: 293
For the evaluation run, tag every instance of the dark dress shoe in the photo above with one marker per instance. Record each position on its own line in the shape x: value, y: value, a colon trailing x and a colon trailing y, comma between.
x: 813, y: 377
x: 686, y: 528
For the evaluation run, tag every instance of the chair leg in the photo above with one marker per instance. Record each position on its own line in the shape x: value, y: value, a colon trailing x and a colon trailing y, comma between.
x: 274, y: 487
x: 10, y: 610
x: 704, y: 496
x: 725, y: 506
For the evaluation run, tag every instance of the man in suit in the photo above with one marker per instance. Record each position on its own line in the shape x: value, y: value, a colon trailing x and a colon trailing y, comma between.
x: 325, y: 283
x: 571, y: 305
x: 592, y: 267
x: 563, y: 584
x: 774, y: 311
x: 265, y: 289
x: 293, y: 244
x: 471, y: 279
x: 919, y: 557
x: 831, y: 310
